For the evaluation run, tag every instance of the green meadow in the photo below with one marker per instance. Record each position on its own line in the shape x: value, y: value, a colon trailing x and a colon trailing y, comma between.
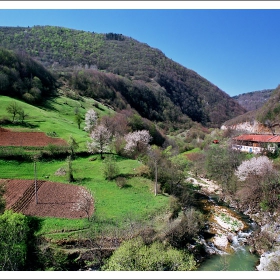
x: 57, y: 115
x: 113, y: 205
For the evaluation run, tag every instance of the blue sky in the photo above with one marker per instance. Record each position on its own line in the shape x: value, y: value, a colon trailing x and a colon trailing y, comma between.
x: 234, y: 47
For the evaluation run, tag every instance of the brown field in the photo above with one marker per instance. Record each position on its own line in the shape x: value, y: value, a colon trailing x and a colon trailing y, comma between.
x: 25, y: 139
x: 54, y: 199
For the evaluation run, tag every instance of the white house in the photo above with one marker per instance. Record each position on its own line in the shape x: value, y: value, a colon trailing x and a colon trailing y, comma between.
x: 255, y: 143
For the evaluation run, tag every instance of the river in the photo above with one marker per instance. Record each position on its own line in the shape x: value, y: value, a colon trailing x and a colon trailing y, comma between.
x: 236, y: 255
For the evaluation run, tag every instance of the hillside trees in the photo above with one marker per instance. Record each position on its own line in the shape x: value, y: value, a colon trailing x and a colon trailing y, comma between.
x: 16, y: 110
x: 220, y: 163
x: 22, y: 77
x: 13, y: 109
x: 134, y: 74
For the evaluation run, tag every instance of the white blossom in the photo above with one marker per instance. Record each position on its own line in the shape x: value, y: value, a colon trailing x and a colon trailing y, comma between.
x: 90, y: 120
x: 256, y: 166
x: 100, y: 139
x: 137, y: 140
x: 84, y: 203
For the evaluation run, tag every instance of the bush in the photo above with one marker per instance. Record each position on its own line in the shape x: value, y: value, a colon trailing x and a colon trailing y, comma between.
x: 190, y: 225
x: 55, y: 151
x: 14, y: 237
x: 134, y: 255
x: 264, y: 241
x: 121, y: 182
x: 14, y: 153
x: 110, y: 169
x: 143, y: 170
x: 175, y: 207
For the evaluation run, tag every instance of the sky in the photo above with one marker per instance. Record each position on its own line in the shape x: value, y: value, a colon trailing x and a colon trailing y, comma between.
x: 234, y: 45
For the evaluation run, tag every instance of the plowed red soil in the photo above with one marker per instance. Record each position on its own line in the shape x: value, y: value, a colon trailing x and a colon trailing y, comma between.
x: 54, y: 199
x: 25, y: 139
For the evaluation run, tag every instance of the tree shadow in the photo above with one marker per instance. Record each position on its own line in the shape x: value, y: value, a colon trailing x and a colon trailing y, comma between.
x: 126, y: 186
x: 47, y: 104
x: 6, y: 122
x: 83, y: 180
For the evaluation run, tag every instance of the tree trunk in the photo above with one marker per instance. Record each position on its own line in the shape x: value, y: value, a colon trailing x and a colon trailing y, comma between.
x: 156, y: 171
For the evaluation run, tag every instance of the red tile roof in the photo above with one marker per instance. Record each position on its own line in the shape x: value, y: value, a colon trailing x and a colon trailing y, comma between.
x: 259, y: 138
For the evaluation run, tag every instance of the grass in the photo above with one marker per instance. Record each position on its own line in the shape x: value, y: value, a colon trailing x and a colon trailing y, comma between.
x: 195, y: 150
x: 58, y: 115
x: 113, y: 204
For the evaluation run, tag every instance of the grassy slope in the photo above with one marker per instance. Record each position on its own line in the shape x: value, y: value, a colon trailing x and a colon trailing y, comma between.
x: 58, y: 116
x: 112, y: 204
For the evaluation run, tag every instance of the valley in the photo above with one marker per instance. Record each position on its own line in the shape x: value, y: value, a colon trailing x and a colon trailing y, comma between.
x: 127, y: 166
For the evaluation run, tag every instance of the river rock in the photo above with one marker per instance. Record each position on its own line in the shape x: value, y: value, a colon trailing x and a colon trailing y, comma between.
x: 221, y: 242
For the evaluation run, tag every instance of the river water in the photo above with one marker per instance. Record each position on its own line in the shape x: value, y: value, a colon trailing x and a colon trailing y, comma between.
x: 239, y: 259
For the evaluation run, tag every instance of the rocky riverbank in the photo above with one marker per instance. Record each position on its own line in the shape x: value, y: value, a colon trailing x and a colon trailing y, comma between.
x: 229, y: 231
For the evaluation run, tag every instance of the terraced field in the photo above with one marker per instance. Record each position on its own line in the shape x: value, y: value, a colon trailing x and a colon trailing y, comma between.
x: 54, y: 199
x: 25, y: 139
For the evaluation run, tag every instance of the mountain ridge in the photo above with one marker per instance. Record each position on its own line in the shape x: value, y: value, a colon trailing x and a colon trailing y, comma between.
x: 254, y: 99
x: 73, y: 51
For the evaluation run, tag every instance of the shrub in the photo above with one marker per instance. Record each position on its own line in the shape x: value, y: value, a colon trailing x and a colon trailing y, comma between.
x: 121, y: 182
x: 190, y: 225
x: 143, y: 170
x: 134, y: 255
x: 14, y: 237
x: 110, y: 169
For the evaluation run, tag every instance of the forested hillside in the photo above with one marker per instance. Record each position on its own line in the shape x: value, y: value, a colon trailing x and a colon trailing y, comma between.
x: 123, y: 72
x: 253, y: 100
x: 22, y: 77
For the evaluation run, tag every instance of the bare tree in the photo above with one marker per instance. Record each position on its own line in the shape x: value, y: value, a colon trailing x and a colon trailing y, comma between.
x: 154, y: 154
x: 73, y: 145
x: 70, y: 169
